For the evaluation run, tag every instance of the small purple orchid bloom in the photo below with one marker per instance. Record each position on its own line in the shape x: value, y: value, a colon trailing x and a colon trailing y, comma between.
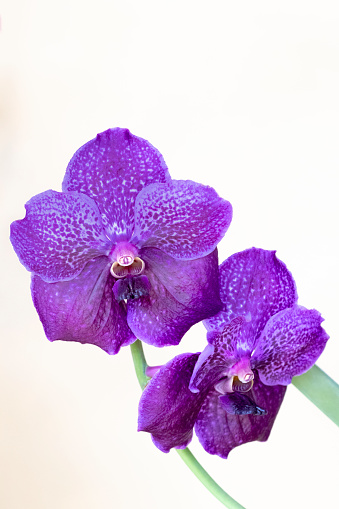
x: 231, y: 392
x: 123, y: 251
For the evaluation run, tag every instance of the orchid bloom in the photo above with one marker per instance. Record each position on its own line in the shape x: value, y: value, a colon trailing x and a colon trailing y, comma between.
x: 123, y: 251
x: 231, y: 392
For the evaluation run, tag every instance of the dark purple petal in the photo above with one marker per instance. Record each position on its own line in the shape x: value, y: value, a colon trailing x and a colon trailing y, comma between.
x: 289, y: 345
x: 219, y: 432
x: 219, y: 355
x: 131, y: 287
x: 112, y: 169
x: 83, y: 309
x: 167, y: 408
x: 160, y: 319
x: 184, y: 219
x: 237, y: 403
x: 192, y: 283
x: 253, y: 281
x: 59, y: 235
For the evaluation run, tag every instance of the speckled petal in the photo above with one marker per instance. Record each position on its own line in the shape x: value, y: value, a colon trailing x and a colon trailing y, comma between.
x: 112, y: 169
x: 167, y: 408
x: 160, y: 319
x: 289, y: 345
x: 253, y: 281
x: 218, y: 356
x: 59, y: 235
x: 184, y: 219
x: 83, y: 309
x: 219, y: 432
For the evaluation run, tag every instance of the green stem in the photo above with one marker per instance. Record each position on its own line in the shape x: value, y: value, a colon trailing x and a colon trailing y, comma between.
x: 140, y: 363
x: 140, y: 366
x: 321, y: 390
x: 207, y: 480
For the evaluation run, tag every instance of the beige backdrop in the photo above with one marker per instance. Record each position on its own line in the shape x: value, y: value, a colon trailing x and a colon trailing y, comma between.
x: 242, y: 96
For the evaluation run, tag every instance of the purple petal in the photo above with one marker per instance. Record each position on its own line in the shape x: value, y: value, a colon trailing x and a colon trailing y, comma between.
x: 219, y: 432
x: 83, y: 309
x: 253, y: 281
x: 190, y: 282
x: 160, y: 319
x: 184, y: 219
x: 112, y: 169
x: 289, y: 345
x: 167, y: 408
x: 218, y: 356
x: 59, y: 235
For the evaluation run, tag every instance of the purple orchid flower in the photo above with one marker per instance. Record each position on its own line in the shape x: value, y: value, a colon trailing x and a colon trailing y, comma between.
x: 123, y: 251
x: 231, y: 392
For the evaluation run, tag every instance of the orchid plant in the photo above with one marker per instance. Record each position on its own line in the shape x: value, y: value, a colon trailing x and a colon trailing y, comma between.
x: 125, y: 252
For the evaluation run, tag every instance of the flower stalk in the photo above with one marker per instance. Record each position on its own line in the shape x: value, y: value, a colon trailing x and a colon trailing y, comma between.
x: 140, y: 363
x: 206, y: 480
x: 321, y: 390
x: 140, y: 366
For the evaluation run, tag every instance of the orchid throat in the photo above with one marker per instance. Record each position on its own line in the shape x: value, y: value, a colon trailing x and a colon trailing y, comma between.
x: 239, y: 379
x: 126, y: 262
x: 127, y: 268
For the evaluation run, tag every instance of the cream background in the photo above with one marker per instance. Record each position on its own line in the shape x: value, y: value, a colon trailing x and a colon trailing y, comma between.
x: 242, y: 96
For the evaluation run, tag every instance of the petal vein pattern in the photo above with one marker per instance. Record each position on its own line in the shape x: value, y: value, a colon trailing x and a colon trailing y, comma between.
x: 219, y: 431
x: 161, y: 318
x: 167, y: 408
x: 83, y: 309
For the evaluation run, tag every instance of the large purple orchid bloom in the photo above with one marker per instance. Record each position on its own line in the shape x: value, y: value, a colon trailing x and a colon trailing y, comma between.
x: 232, y: 391
x: 123, y: 251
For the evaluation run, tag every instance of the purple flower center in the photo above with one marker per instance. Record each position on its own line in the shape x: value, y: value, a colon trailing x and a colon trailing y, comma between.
x: 125, y: 261
x: 239, y: 378
x: 242, y: 370
x: 239, y: 386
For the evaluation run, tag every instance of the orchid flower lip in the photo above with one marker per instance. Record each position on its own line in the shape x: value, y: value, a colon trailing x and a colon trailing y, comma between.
x: 125, y: 260
x: 232, y: 384
x: 238, y: 386
x: 136, y: 268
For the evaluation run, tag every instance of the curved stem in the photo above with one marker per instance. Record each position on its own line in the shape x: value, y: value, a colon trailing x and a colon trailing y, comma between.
x: 207, y: 480
x: 140, y: 363
x: 140, y: 366
x: 321, y: 390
